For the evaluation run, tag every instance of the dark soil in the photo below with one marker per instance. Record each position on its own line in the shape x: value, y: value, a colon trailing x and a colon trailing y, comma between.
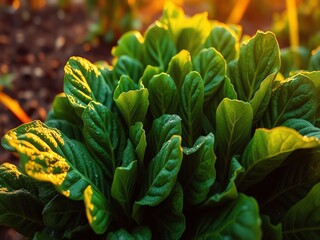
x: 34, y: 47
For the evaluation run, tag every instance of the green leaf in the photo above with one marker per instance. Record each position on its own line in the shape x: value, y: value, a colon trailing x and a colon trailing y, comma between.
x: 224, y: 40
x: 97, y: 210
x: 261, y: 98
x: 119, y: 235
x: 268, y: 149
x: 128, y: 154
x: 138, y: 137
x: 304, y: 127
x: 162, y: 173
x: 269, y: 230
x: 173, y: 16
x: 293, y: 59
x: 169, y: 220
x: 107, y: 73
x: 225, y: 91
x: 230, y: 192
x: 179, y: 66
x: 130, y: 44
x: 20, y: 207
x: 238, y: 220
x: 163, y: 128
x: 132, y: 101
x: 142, y: 233
x: 62, y: 109
x: 164, y: 96
x: 198, y: 173
x: 62, y: 213
x: 70, y: 130
x: 123, y: 186
x: 314, y: 77
x: 294, y: 181
x: 103, y: 136
x: 83, y: 83
x: 314, y: 62
x: 193, y: 33
x: 294, y: 98
x: 259, y: 57
x: 138, y: 233
x: 48, y: 155
x: 192, y: 96
x: 129, y: 66
x: 158, y: 46
x: 302, y: 220
x: 147, y: 75
x: 212, y: 68
x: 233, y: 124
x: 125, y: 84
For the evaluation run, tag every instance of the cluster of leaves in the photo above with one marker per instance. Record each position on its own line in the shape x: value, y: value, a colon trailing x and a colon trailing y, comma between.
x: 191, y: 134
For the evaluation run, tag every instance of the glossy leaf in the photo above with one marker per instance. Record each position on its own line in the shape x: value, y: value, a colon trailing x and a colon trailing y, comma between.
x: 83, y: 83
x: 70, y: 130
x: 163, y: 128
x: 225, y: 91
x: 212, y: 68
x: 132, y: 101
x: 138, y: 233
x: 169, y: 220
x: 261, y: 98
x: 304, y: 127
x: 196, y: 28
x: 130, y: 44
x: 259, y: 57
x: 293, y: 59
x: 103, y: 136
x: 63, y: 213
x: 162, y: 173
x: 147, y: 75
x: 192, y: 96
x: 48, y: 155
x: 268, y: 149
x: 179, y: 66
x: 294, y: 181
x: 230, y: 192
x: 62, y: 110
x: 128, y: 66
x: 174, y: 17
x: 123, y: 186
x: 138, y: 137
x: 164, y: 96
x: 302, y: 220
x: 237, y: 220
x: 19, y: 206
x: 159, y: 46
x: 294, y: 98
x: 198, y: 172
x: 224, y: 40
x: 233, y: 124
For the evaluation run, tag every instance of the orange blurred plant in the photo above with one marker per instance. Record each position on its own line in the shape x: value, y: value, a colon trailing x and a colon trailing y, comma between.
x: 10, y: 103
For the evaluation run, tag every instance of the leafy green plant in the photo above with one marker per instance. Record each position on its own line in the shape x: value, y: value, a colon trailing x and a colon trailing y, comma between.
x: 191, y: 134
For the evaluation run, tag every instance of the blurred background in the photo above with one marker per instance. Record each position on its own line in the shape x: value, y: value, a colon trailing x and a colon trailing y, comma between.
x: 38, y: 36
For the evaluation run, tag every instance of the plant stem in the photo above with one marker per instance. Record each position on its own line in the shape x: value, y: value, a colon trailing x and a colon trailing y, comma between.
x: 293, y: 22
x: 14, y: 107
x: 238, y: 11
